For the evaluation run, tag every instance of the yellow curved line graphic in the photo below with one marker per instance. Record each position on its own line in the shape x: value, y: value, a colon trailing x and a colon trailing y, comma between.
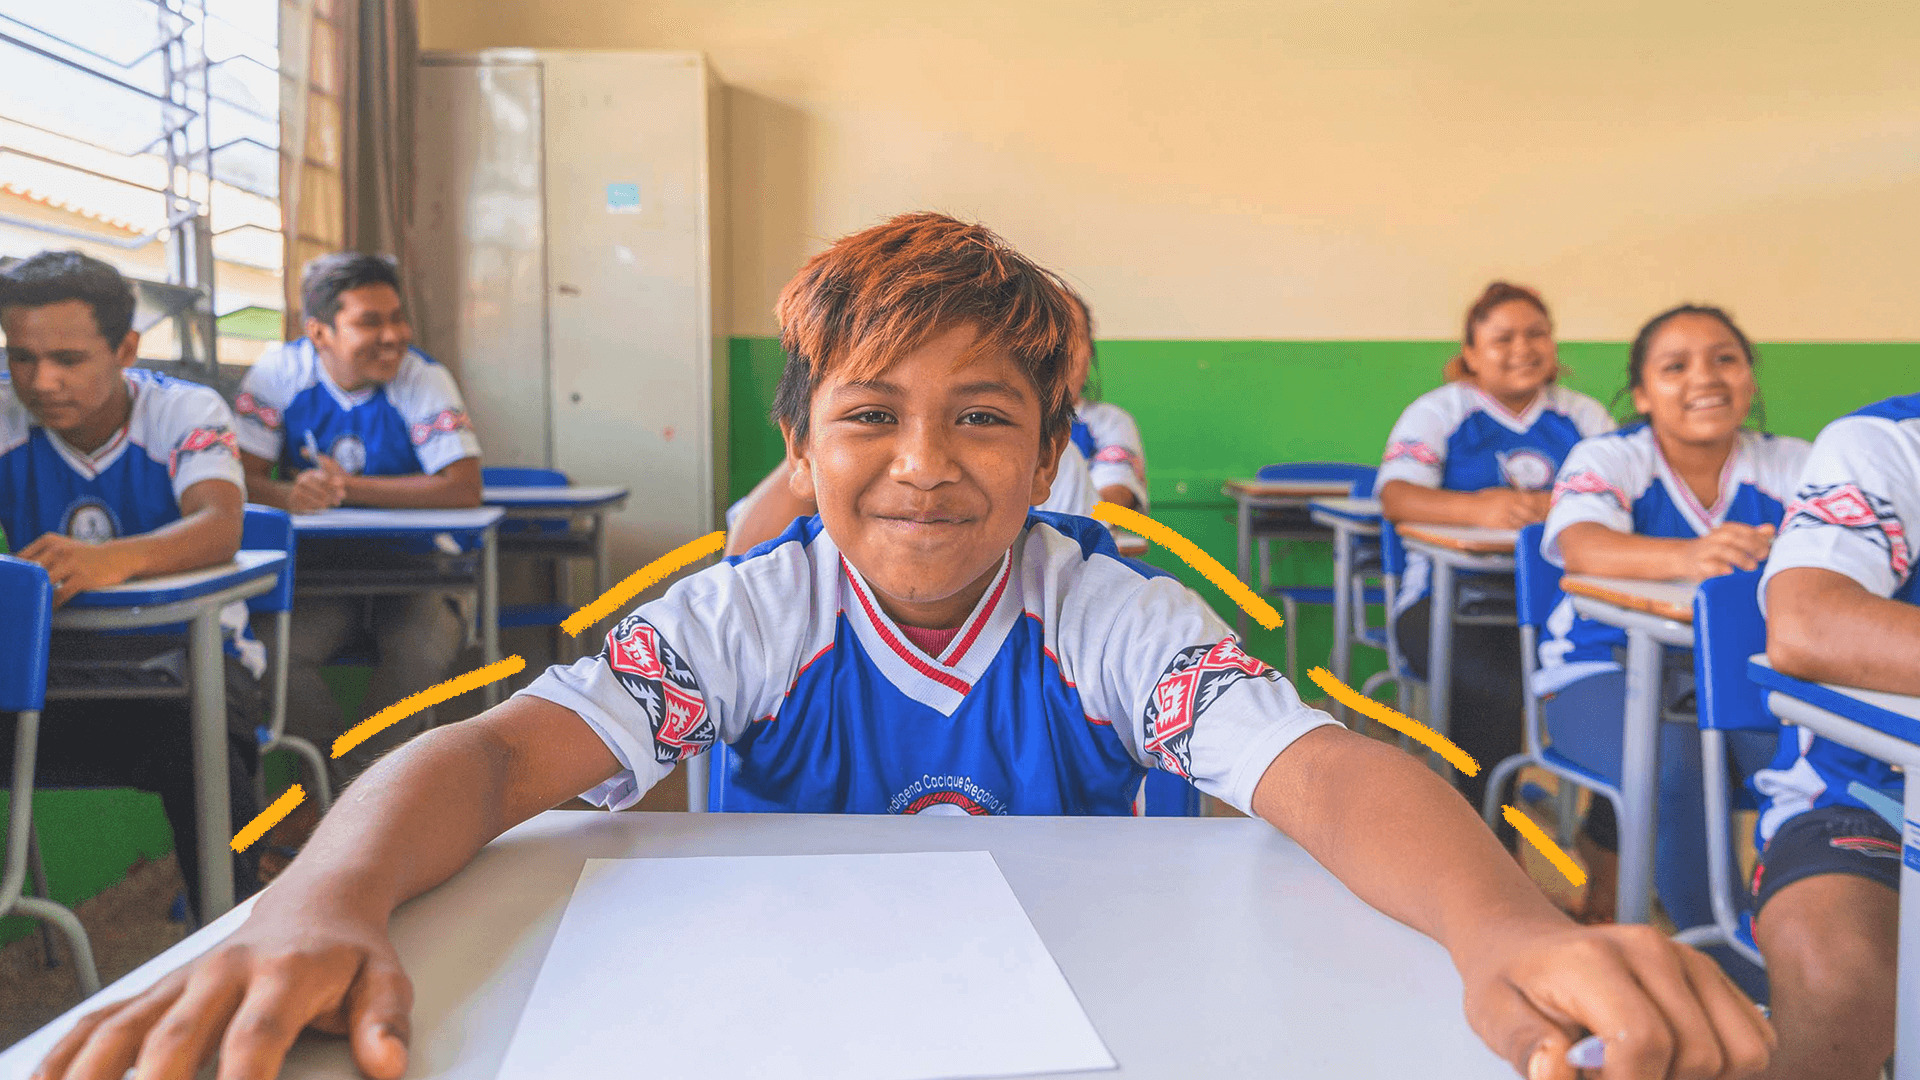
x: 1190, y: 553
x: 425, y: 699
x: 268, y: 818
x: 1539, y: 839
x: 638, y: 581
x: 1406, y: 725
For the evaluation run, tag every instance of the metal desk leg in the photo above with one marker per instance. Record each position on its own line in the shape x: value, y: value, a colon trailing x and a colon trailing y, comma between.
x: 602, y: 568
x: 1342, y: 613
x: 490, y: 607
x: 1639, y: 776
x: 1440, y: 650
x: 697, y: 783
x: 26, y: 734
x: 1906, y: 997
x: 210, y: 779
x: 1243, y: 541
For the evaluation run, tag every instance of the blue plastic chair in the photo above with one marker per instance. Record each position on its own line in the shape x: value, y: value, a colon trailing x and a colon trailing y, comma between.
x: 1360, y: 479
x: 268, y: 529
x: 1728, y: 627
x: 1536, y: 594
x: 25, y: 640
x: 513, y: 616
x: 1393, y: 566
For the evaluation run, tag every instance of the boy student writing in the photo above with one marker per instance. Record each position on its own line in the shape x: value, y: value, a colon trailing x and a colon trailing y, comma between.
x: 1840, y: 594
x: 1482, y: 450
x: 109, y: 473
x: 924, y: 402
x: 352, y: 414
x: 1684, y: 492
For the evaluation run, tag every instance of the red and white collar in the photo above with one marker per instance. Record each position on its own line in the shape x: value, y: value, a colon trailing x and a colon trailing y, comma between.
x: 940, y: 682
x: 1519, y: 422
x: 100, y: 460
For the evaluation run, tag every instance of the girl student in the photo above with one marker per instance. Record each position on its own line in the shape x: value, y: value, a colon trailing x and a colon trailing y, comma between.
x: 1482, y: 450
x: 1685, y: 491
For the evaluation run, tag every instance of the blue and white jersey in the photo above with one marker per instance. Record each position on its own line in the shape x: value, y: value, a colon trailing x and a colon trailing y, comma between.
x: 1073, y: 490
x: 415, y: 424
x: 1110, y: 441
x: 1459, y: 439
x: 1077, y: 671
x: 1623, y: 481
x: 178, y: 434
x: 1856, y: 512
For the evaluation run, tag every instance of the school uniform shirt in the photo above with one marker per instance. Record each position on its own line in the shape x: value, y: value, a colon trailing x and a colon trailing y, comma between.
x: 415, y: 424
x: 1459, y: 439
x: 177, y: 434
x: 1110, y: 441
x: 1073, y: 490
x: 1077, y: 670
x: 1624, y: 482
x: 1856, y: 512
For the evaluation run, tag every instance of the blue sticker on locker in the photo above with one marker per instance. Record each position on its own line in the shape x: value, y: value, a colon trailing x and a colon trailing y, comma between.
x: 623, y: 198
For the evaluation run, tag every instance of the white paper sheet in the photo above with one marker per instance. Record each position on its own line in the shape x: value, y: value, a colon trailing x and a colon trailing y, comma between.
x: 836, y: 967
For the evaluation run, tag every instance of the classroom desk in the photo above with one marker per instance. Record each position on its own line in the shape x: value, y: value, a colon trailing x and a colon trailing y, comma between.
x: 1654, y: 614
x: 194, y: 598
x: 1451, y: 548
x: 478, y: 525
x: 577, y: 505
x: 1887, y: 727
x: 1350, y: 519
x: 1251, y: 495
x: 1132, y: 545
x: 1198, y: 946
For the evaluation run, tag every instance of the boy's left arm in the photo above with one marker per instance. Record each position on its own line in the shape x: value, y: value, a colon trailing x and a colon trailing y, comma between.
x: 1534, y: 981
x: 454, y: 487
x: 207, y: 533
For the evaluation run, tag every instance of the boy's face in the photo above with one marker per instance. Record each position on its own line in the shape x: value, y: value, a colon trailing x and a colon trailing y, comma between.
x: 924, y: 475
x: 65, y: 372
x: 367, y: 339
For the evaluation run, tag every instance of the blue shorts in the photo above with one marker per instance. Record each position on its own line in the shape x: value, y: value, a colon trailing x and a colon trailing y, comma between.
x: 1828, y: 840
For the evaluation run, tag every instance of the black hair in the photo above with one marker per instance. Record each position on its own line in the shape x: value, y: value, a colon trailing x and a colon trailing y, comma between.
x: 1090, y: 392
x: 326, y: 277
x: 52, y: 277
x: 1642, y: 341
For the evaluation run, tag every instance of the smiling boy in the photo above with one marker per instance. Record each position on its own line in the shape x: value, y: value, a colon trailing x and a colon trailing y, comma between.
x: 925, y: 644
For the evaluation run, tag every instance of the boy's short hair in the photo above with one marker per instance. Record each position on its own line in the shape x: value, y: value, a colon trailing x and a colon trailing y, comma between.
x: 875, y: 296
x: 52, y: 277
x: 327, y: 276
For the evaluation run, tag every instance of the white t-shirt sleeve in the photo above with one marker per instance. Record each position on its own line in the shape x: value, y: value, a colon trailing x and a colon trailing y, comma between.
x: 1589, y: 417
x: 1119, y: 457
x: 260, y: 408
x: 1593, y: 485
x: 1073, y: 491
x: 437, y: 423
x: 194, y: 429
x: 680, y: 673
x: 1857, y: 509
x: 1417, y: 446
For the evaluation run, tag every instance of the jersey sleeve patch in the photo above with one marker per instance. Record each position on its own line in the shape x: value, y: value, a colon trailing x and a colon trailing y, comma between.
x: 1414, y: 449
x: 446, y: 421
x: 201, y: 440
x: 1194, y: 680
x: 662, y: 684
x: 1860, y: 512
x: 248, y: 406
x: 1589, y: 482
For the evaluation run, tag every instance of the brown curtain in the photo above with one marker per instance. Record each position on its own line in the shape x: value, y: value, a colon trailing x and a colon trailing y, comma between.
x: 383, y: 48
x: 312, y: 78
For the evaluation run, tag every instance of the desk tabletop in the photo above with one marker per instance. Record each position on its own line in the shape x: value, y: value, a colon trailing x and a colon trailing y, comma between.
x: 361, y: 521
x: 1897, y: 715
x: 569, y: 497
x: 1295, y: 489
x: 1129, y: 543
x: 173, y: 588
x: 1365, y: 511
x: 1472, y: 539
x: 1198, y: 946
x: 1667, y: 599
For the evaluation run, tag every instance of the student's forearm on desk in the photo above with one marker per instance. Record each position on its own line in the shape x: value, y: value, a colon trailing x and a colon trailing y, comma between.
x: 1589, y: 547
x: 262, y: 487
x: 455, y: 487
x: 1402, y: 501
x: 1825, y: 626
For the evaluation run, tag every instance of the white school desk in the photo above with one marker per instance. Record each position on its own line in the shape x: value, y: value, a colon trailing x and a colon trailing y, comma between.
x: 1451, y: 548
x: 1132, y: 545
x: 575, y: 505
x: 1654, y: 614
x: 1887, y: 727
x: 1251, y: 495
x: 1199, y: 947
x: 478, y: 525
x: 194, y: 598
x: 1350, y: 519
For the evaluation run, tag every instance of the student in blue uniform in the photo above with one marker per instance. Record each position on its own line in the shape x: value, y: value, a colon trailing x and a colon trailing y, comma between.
x: 926, y: 644
x: 353, y: 415
x: 1840, y: 593
x: 1104, y: 433
x: 1684, y: 492
x: 1482, y: 450
x: 109, y: 473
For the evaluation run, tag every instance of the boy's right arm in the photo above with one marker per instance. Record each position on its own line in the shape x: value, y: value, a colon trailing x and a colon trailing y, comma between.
x: 315, y: 951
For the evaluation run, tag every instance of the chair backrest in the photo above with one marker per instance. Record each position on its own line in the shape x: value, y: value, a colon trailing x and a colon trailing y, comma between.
x: 268, y: 529
x: 1359, y: 478
x: 521, y: 476
x: 719, y: 766
x: 1536, y: 582
x: 27, y: 597
x: 1393, y: 551
x: 1728, y: 627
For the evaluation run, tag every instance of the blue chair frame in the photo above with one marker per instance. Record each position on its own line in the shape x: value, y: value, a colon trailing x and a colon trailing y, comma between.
x: 268, y: 529
x: 26, y: 636
x: 1393, y: 566
x: 514, y: 616
x: 1728, y: 627
x: 1360, y: 479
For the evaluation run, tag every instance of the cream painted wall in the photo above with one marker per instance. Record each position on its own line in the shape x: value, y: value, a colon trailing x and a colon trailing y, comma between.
x: 1323, y: 168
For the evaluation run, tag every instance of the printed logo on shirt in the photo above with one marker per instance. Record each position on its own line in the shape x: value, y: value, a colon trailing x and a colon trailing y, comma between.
x: 946, y: 796
x: 1862, y: 512
x: 1588, y: 482
x: 90, y: 521
x: 1196, y: 678
x: 245, y: 405
x: 662, y: 684
x: 1414, y: 449
x: 1528, y: 470
x: 349, y: 453
x: 449, y: 420
x: 199, y: 441
x: 1118, y: 453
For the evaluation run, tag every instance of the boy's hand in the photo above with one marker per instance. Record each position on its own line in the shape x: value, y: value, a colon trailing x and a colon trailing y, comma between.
x: 248, y: 999
x: 75, y: 566
x: 1664, y: 1010
x: 1512, y: 508
x: 320, y: 488
x: 1728, y: 547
